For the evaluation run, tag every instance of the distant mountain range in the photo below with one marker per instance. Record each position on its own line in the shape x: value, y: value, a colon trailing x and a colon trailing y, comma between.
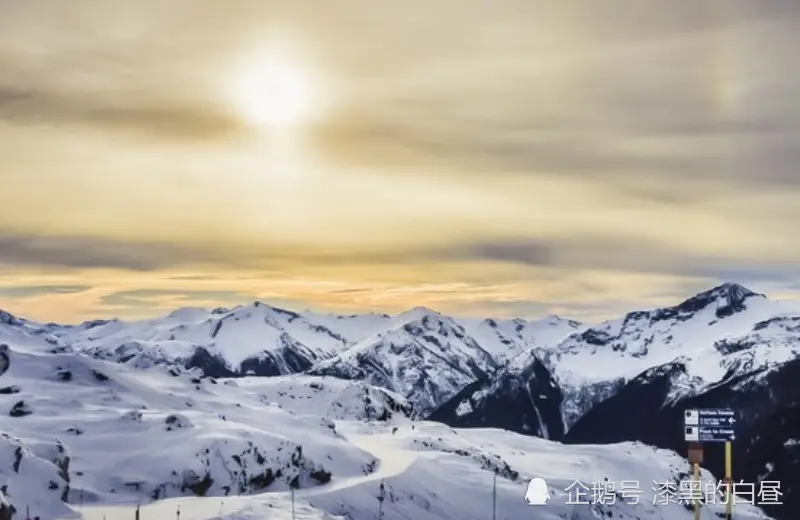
x: 624, y: 379
x: 421, y: 354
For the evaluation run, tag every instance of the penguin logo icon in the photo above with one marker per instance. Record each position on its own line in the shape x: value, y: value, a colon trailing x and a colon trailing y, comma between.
x: 537, y: 494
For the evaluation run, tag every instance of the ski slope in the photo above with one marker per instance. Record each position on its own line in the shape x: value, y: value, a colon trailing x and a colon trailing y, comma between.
x: 431, y: 472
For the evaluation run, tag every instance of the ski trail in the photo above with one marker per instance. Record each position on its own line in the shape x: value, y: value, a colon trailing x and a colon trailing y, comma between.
x: 392, y: 461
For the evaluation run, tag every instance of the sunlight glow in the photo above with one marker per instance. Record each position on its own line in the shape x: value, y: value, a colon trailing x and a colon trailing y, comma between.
x: 274, y: 90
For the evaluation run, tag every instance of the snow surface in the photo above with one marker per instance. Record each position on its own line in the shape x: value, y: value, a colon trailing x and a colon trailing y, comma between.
x: 137, y: 434
x: 432, y: 472
x: 132, y: 435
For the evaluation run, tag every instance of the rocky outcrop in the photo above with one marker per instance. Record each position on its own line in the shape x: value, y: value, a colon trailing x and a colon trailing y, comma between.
x: 38, y: 477
x: 526, y: 400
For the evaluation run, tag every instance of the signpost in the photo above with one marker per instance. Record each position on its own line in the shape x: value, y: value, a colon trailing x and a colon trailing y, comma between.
x: 711, y: 425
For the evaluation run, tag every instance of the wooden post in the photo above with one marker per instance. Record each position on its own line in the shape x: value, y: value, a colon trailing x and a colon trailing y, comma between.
x: 728, y: 481
x: 695, y: 459
x: 697, y: 481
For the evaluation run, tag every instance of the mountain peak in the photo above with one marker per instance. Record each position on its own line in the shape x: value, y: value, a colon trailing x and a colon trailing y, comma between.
x: 729, y: 298
x: 9, y: 319
x: 417, y: 313
x: 185, y: 313
x: 728, y: 292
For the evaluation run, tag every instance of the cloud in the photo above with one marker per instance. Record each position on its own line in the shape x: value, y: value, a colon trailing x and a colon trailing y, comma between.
x: 616, y: 253
x: 25, y: 291
x: 137, y: 298
x: 700, y: 108
x: 611, y: 252
x: 526, y: 155
x: 21, y: 105
x: 87, y: 252
x: 143, y: 255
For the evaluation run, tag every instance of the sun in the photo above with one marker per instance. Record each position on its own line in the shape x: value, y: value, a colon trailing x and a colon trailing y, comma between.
x: 275, y: 91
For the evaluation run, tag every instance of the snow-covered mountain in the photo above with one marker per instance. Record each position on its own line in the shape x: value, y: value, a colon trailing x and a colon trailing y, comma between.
x: 425, y: 356
x: 725, y: 330
x: 399, y: 353
x: 253, y: 339
x: 505, y: 339
x: 108, y: 436
x: 707, y: 331
x: 632, y: 378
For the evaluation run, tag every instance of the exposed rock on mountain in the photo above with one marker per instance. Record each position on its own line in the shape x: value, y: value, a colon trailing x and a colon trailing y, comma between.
x: 426, y: 357
x: 526, y: 383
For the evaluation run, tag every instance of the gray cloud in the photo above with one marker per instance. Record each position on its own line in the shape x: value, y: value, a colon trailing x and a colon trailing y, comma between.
x: 576, y: 253
x: 631, y: 256
x: 143, y: 297
x: 141, y: 255
x: 85, y: 252
x: 33, y: 106
x: 195, y: 278
x: 140, y: 302
x: 692, y: 105
x: 25, y: 291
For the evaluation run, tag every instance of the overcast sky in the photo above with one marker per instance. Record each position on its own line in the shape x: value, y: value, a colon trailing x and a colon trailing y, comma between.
x: 496, y: 157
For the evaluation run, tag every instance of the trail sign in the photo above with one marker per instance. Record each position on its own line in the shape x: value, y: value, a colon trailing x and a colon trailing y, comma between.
x: 709, y: 425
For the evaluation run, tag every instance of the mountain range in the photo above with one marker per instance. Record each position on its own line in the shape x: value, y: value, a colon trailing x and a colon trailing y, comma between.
x: 424, y: 355
x: 627, y: 379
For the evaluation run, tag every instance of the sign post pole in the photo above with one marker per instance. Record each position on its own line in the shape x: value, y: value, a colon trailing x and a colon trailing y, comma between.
x: 697, y: 483
x: 494, y: 497
x: 728, y: 481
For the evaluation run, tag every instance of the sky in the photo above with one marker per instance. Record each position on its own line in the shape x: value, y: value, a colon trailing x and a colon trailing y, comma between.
x: 487, y: 158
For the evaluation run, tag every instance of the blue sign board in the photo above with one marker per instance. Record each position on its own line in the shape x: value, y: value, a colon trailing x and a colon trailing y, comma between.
x: 709, y: 425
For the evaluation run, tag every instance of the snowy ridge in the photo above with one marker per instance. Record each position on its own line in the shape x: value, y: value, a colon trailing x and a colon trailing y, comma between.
x: 506, y: 339
x: 714, y: 332
x: 426, y: 357
x: 255, y: 338
x: 258, y: 339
